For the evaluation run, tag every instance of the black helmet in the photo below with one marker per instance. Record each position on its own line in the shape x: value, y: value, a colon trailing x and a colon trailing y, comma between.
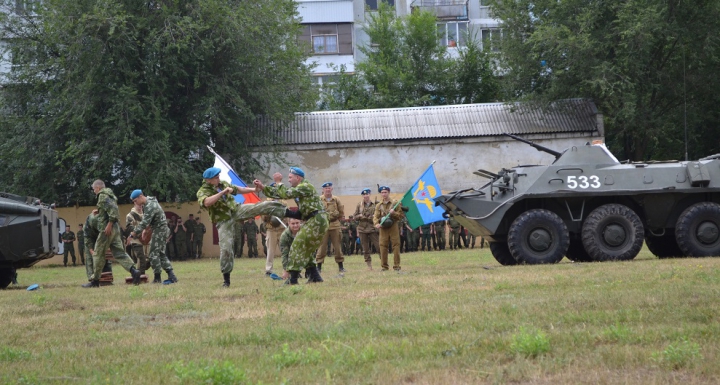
x: 387, y: 224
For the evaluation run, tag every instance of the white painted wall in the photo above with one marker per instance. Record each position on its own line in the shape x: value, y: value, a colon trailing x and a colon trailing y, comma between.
x: 352, y: 167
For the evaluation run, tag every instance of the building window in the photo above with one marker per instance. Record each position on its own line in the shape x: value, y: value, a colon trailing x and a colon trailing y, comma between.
x: 324, y: 39
x: 325, y: 43
x: 372, y: 5
x: 492, y: 37
x: 453, y: 34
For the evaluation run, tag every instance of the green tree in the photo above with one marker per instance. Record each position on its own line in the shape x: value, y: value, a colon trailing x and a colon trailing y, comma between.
x: 132, y: 91
x: 642, y: 61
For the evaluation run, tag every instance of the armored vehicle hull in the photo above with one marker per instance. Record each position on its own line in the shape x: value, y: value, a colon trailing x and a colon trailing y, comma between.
x: 28, y: 234
x: 587, y: 206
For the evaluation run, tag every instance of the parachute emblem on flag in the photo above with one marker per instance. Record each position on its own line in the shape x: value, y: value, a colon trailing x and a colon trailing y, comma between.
x: 426, y: 195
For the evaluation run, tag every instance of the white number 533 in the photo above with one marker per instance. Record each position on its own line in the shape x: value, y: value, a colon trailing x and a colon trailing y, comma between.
x: 582, y: 181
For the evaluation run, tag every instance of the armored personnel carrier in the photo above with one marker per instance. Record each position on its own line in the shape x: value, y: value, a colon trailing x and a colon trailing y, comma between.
x: 28, y: 234
x: 588, y: 206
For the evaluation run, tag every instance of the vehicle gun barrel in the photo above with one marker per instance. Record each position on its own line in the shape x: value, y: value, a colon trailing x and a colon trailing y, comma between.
x: 538, y: 147
x: 18, y: 208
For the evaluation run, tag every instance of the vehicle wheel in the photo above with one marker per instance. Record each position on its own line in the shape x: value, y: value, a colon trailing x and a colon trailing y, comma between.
x: 7, y: 274
x: 538, y: 236
x: 664, y: 246
x: 612, y: 232
x: 576, y: 251
x: 697, y: 230
x: 501, y: 252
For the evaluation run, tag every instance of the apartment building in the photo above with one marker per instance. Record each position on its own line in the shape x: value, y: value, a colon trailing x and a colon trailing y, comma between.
x: 333, y: 29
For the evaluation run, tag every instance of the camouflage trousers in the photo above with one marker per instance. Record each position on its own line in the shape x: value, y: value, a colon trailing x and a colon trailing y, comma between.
x: 116, y: 247
x: 158, y: 259
x: 440, y: 235
x: 89, y: 267
x: 387, y: 236
x: 69, y: 248
x: 307, y: 240
x: 226, y: 229
x: 367, y: 240
x: 198, y: 248
x: 138, y: 252
x: 334, y: 236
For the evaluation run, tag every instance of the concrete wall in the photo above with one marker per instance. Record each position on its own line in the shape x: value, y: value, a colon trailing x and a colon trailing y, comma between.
x: 354, y: 167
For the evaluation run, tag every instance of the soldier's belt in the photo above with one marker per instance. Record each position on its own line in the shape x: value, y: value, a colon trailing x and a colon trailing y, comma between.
x: 312, y: 214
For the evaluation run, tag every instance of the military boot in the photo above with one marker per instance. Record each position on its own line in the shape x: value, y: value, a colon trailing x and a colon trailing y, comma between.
x: 157, y: 279
x: 95, y: 283
x: 171, y: 276
x: 313, y: 275
x: 135, y: 275
x: 340, y: 267
x: 226, y: 278
x: 294, y: 275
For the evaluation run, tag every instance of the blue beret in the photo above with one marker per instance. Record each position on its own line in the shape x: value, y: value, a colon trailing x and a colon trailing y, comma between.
x: 365, y: 192
x: 327, y: 184
x: 135, y: 194
x: 297, y: 171
x: 383, y: 188
x: 273, y: 184
x: 212, y: 172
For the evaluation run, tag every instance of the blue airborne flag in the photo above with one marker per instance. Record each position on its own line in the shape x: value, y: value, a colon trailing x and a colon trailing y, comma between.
x: 420, y: 200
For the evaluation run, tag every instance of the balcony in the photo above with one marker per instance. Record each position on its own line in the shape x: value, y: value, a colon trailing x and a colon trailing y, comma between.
x: 444, y: 9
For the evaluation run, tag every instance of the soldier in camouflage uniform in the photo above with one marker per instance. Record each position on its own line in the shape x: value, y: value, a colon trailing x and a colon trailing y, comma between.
x: 454, y: 233
x: 388, y: 209
x: 81, y: 244
x: 286, y: 240
x: 352, y: 234
x: 364, y: 212
x: 273, y: 230
x: 404, y: 228
x: 345, y: 237
x: 335, y: 211
x: 312, y: 211
x: 91, y: 231
x: 154, y: 218
x: 190, y: 232
x: 251, y: 232
x: 227, y: 214
x: 108, y: 217
x: 239, y: 242
x: 181, y: 238
x: 440, y: 227
x: 136, y: 247
x: 426, y: 234
x: 68, y: 238
x: 198, y: 235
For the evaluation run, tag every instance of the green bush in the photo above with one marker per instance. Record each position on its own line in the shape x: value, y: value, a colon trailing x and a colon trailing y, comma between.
x: 679, y: 355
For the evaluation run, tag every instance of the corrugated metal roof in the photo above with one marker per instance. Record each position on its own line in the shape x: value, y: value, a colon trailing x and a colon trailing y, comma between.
x: 457, y: 121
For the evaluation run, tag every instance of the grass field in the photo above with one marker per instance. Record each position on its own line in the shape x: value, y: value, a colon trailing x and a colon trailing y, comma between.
x: 450, y: 318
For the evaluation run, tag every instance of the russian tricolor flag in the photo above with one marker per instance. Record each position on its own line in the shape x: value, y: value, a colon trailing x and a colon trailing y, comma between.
x: 228, y: 175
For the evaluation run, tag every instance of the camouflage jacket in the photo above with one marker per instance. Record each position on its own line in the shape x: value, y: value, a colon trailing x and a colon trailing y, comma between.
x: 223, y: 209
x: 304, y: 194
x: 91, y: 231
x: 286, y: 240
x: 153, y: 217
x: 198, y: 230
x: 107, y: 207
x: 251, y: 229
x: 364, y: 214
x: 131, y: 220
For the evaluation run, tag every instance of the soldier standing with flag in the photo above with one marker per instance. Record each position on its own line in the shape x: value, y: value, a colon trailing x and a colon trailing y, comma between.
x: 388, y: 214
x: 367, y: 232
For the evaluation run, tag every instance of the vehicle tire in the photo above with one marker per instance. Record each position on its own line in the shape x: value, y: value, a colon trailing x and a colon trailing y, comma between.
x: 612, y: 232
x: 576, y: 251
x: 698, y: 230
x: 501, y: 252
x: 664, y: 246
x: 7, y: 274
x: 538, y: 236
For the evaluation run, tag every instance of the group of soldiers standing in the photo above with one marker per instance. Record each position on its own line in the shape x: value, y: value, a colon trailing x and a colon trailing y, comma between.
x: 186, y: 238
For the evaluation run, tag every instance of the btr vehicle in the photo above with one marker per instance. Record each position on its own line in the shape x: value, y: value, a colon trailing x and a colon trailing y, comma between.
x: 588, y: 206
x: 28, y: 234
